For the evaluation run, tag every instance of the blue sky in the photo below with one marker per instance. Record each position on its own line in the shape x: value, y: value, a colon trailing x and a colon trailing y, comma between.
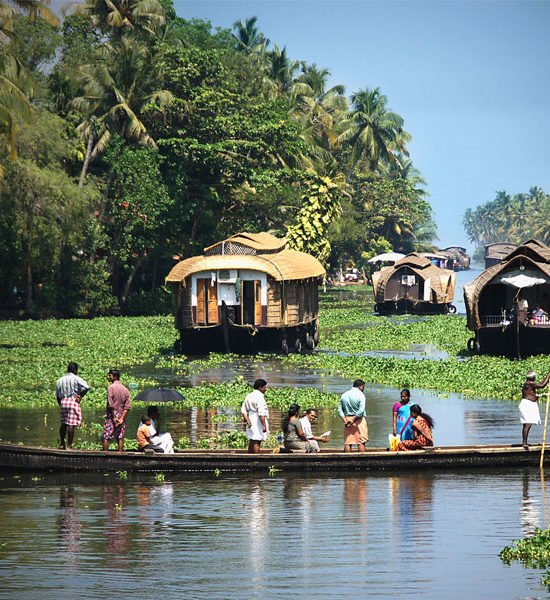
x: 471, y: 79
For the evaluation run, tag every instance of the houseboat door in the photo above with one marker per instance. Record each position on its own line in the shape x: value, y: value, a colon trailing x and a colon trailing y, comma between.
x: 207, y: 302
x: 251, y: 304
x: 257, y: 303
x: 212, y: 304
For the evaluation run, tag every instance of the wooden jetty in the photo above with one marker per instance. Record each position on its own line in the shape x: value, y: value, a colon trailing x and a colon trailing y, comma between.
x: 14, y: 457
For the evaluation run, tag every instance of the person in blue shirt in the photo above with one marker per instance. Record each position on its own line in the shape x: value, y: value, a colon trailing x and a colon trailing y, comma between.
x: 352, y: 412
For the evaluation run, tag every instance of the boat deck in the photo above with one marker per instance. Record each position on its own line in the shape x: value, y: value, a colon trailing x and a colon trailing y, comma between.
x: 28, y: 458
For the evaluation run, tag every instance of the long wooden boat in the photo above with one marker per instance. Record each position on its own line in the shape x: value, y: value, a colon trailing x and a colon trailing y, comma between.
x: 15, y: 457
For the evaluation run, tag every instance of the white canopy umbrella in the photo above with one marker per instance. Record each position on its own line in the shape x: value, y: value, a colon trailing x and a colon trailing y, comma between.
x: 522, y: 279
x: 386, y: 257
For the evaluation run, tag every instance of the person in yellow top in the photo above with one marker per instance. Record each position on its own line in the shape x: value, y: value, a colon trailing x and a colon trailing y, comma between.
x: 144, y: 436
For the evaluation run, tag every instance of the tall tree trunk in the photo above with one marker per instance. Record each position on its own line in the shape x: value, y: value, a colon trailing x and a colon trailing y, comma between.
x: 87, y: 159
x: 128, y: 283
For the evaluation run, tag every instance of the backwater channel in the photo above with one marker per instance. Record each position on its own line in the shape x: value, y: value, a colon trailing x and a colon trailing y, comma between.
x: 430, y: 534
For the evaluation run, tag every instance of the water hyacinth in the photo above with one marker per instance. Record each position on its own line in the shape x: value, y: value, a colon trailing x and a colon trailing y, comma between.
x: 33, y: 354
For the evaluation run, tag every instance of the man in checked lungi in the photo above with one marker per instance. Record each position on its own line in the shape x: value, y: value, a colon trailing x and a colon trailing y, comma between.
x: 69, y: 391
x: 118, y: 406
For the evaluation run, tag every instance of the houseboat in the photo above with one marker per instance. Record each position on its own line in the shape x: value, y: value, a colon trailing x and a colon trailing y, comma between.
x: 245, y: 294
x: 496, y: 253
x: 457, y: 254
x: 507, y: 305
x: 413, y: 285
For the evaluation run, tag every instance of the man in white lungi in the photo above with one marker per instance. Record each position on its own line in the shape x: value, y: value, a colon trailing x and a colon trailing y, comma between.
x: 529, y: 406
x: 256, y: 416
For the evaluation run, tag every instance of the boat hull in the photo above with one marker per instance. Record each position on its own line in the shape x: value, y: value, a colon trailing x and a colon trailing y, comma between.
x: 26, y: 458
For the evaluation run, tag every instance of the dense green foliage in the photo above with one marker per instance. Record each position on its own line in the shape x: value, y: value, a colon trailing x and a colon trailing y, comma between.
x: 510, y: 218
x: 129, y: 136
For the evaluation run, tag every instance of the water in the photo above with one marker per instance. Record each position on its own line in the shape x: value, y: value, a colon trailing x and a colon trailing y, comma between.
x: 434, y: 535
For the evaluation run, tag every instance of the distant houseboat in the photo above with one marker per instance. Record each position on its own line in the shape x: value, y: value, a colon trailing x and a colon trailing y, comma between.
x: 413, y: 285
x: 247, y: 293
x: 460, y: 259
x: 496, y: 253
x: 500, y: 304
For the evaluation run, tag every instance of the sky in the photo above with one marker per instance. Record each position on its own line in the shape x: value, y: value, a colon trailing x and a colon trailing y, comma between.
x: 471, y: 80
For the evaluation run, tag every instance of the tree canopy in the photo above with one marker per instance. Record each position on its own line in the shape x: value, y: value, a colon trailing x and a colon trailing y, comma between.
x: 129, y: 135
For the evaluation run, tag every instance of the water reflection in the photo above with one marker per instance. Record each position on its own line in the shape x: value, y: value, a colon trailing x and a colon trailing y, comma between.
x: 411, y: 501
x: 257, y: 516
x: 70, y: 526
x: 530, y: 509
x: 116, y: 528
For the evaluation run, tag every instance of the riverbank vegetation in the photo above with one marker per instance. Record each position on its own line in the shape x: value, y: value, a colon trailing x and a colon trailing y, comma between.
x: 131, y: 138
x: 354, y: 343
x: 513, y: 218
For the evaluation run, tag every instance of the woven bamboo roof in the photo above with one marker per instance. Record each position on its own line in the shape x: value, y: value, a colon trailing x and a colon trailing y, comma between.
x: 532, y: 255
x: 260, y: 242
x: 285, y: 265
x: 442, y: 281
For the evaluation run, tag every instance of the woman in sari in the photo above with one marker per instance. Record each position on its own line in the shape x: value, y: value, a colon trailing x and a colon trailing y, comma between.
x: 402, y: 420
x: 422, y: 430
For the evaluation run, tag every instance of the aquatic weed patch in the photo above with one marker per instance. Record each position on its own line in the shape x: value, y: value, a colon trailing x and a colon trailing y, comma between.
x: 532, y: 552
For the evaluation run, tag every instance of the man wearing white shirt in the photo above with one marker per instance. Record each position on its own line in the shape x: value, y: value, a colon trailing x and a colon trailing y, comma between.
x: 307, y: 421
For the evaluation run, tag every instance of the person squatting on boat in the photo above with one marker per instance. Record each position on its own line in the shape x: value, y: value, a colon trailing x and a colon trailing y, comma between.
x: 402, y: 420
x: 69, y: 391
x: 529, y: 407
x: 352, y: 411
x: 144, y: 436
x: 118, y: 406
x: 422, y: 431
x: 255, y: 414
x: 164, y: 440
x: 306, y: 422
x: 295, y: 438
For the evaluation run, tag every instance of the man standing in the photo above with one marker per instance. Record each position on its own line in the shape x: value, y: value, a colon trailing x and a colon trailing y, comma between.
x: 69, y: 391
x: 255, y: 414
x: 307, y: 421
x: 352, y: 411
x: 118, y: 406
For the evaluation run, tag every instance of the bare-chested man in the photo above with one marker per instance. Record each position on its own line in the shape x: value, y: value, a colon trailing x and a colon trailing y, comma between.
x: 529, y: 406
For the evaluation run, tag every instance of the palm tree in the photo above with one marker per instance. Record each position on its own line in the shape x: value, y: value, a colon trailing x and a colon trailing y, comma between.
x: 119, y: 16
x: 123, y: 79
x: 248, y: 37
x: 281, y: 69
x: 31, y: 8
x: 317, y: 110
x: 374, y: 133
x: 15, y: 88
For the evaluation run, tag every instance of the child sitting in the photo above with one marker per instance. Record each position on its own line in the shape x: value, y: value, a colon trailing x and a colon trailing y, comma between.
x: 144, y: 436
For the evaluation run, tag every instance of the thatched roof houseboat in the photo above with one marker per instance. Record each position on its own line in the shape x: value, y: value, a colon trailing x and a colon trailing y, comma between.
x: 247, y: 293
x: 460, y: 259
x: 496, y: 253
x: 414, y: 285
x: 500, y: 304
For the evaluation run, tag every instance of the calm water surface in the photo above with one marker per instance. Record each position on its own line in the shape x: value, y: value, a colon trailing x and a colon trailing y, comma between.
x: 433, y: 535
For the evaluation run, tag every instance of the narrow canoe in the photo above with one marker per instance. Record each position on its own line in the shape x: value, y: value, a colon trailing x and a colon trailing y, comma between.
x: 15, y: 457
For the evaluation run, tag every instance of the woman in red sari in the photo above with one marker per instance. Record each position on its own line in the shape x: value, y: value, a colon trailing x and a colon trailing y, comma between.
x: 422, y: 428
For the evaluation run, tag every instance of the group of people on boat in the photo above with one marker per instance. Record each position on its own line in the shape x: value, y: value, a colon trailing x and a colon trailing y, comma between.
x: 71, y: 388
x: 410, y: 423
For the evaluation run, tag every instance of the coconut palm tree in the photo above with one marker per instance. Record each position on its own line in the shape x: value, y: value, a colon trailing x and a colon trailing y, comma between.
x: 122, y: 80
x: 374, y: 133
x: 119, y: 16
x: 248, y: 37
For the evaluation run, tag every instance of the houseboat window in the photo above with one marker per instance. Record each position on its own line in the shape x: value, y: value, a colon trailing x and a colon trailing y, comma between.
x: 224, y: 274
x: 408, y: 280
